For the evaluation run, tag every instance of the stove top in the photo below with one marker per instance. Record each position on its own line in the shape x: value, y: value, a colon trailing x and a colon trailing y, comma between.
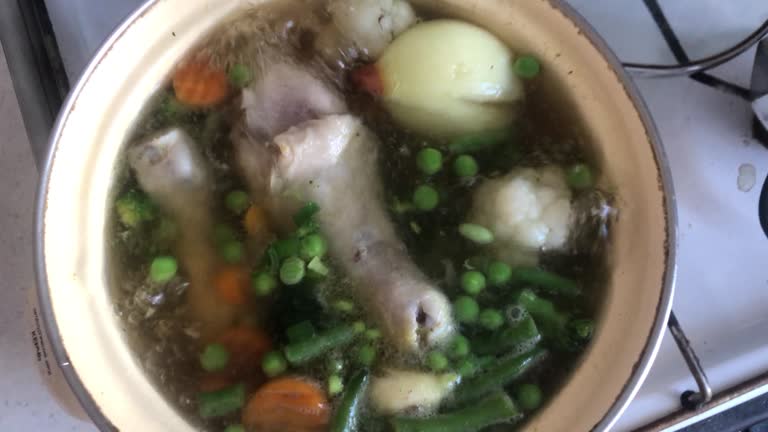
x: 717, y: 167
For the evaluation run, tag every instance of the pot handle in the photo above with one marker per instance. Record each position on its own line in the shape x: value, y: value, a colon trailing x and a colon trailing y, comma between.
x: 691, y: 400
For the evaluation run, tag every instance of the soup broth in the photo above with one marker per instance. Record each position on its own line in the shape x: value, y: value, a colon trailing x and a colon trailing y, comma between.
x: 232, y: 270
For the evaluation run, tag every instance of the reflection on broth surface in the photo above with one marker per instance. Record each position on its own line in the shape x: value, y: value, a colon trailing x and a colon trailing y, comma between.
x: 339, y: 215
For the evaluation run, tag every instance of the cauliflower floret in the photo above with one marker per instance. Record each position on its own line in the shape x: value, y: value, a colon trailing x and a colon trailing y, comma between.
x: 371, y: 24
x: 528, y: 210
x: 398, y: 390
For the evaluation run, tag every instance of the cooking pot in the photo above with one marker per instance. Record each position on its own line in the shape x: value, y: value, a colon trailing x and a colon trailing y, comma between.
x: 75, y: 198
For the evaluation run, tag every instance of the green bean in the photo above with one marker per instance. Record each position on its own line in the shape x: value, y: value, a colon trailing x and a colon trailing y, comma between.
x: 518, y: 339
x: 302, y: 352
x: 575, y: 335
x: 347, y: 414
x: 301, y: 331
x: 476, y: 233
x: 544, y: 312
x: 497, y: 408
x: 222, y: 402
x: 505, y: 371
x: 476, y: 142
x: 471, y: 365
x: 318, y: 267
x: 546, y: 280
x: 235, y: 428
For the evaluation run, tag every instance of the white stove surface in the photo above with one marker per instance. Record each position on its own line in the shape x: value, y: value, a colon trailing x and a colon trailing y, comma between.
x: 721, y: 296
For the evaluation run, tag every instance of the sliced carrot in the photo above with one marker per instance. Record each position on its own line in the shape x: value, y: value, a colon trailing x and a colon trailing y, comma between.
x: 246, y: 347
x: 231, y: 283
x: 287, y: 404
x: 368, y: 78
x: 199, y: 84
x: 255, y: 221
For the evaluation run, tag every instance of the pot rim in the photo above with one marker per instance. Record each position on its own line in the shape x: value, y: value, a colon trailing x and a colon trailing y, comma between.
x: 653, y: 342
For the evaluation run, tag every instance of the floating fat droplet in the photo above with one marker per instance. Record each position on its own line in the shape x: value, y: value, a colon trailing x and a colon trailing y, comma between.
x: 747, y: 176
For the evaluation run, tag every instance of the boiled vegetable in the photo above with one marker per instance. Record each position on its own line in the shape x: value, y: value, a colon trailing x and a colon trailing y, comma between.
x: 429, y: 160
x: 163, y: 269
x: 222, y: 402
x: 528, y: 396
x: 397, y: 390
x: 551, y: 282
x: 214, y: 357
x: 501, y: 374
x: 425, y: 198
x: 287, y: 404
x: 371, y: 24
x: 497, y: 408
x: 198, y: 83
x: 473, y: 282
x: 476, y: 233
x: 134, y: 207
x: 447, y: 77
x: 466, y: 309
x: 301, y: 352
x: 231, y: 284
x: 346, y: 417
x: 273, y: 363
x: 515, y: 339
x: 527, y: 210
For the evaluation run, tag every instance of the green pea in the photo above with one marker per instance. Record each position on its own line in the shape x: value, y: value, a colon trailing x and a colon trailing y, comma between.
x: 239, y: 75
x: 163, y: 269
x: 459, y: 347
x: 476, y: 233
x: 335, y: 385
x: 465, y: 166
x: 529, y: 396
x: 358, y: 327
x: 313, y: 246
x: 214, y: 357
x: 365, y: 355
x: 263, y: 284
x: 292, y: 271
x: 223, y: 233
x: 372, y: 334
x: 467, y: 367
x: 429, y: 160
x: 437, y: 361
x: 237, y: 201
x: 527, y: 66
x: 466, y: 309
x: 491, y: 319
x: 343, y: 306
x: 579, y: 176
x: 425, y: 198
x: 498, y: 273
x: 232, y: 251
x: 273, y: 363
x: 473, y: 282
